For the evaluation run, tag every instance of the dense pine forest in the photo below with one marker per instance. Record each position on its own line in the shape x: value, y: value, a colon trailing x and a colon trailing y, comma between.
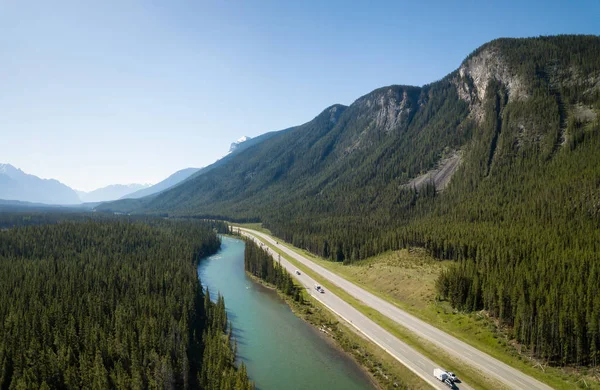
x: 110, y: 303
x: 258, y: 262
x: 520, y: 216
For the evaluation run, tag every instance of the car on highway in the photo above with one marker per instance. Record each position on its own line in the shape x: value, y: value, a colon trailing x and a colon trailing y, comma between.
x: 297, y: 272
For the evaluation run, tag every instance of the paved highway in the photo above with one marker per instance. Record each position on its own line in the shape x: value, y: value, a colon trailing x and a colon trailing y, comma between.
x: 496, y: 369
x: 401, y: 351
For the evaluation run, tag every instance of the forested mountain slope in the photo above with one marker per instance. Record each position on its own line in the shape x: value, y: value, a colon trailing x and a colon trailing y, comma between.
x: 520, y: 215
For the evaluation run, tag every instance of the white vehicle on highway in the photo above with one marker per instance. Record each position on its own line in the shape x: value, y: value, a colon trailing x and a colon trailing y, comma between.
x: 440, y: 374
x: 319, y: 288
x: 444, y: 377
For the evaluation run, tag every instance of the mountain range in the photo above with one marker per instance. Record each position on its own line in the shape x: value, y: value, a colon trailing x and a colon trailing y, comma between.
x: 18, y: 185
x: 495, y: 166
x: 111, y: 192
x: 22, y: 188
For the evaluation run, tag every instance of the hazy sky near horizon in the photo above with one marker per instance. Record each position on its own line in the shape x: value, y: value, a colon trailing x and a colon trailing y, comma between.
x: 104, y: 92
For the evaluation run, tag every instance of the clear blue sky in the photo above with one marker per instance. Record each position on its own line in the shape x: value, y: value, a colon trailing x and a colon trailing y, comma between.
x: 101, y: 92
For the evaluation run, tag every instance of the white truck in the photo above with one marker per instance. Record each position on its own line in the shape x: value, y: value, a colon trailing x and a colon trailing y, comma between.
x: 443, y: 377
x: 440, y: 374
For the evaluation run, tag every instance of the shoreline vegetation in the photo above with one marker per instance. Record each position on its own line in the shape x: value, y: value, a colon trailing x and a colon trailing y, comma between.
x: 111, y: 302
x: 383, y: 371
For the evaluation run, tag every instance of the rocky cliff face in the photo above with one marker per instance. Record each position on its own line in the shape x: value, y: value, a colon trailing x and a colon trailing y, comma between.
x: 384, y: 111
x: 388, y: 108
x: 474, y: 75
x: 335, y: 112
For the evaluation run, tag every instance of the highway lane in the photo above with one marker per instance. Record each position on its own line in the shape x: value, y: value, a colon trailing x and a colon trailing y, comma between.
x: 507, y: 375
x: 405, y: 354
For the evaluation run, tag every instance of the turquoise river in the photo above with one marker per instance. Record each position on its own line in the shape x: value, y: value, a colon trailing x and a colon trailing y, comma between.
x: 280, y: 350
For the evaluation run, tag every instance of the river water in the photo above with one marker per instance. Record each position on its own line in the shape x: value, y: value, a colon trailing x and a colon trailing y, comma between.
x: 280, y: 350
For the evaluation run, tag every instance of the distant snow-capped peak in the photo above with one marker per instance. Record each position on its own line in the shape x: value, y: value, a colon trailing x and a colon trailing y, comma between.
x: 237, y: 143
x: 9, y: 170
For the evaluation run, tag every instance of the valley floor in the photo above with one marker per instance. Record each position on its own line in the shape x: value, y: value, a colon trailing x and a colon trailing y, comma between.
x: 419, y: 364
x: 407, y: 280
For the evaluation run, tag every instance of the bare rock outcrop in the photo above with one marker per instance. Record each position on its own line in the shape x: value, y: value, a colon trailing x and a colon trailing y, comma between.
x: 389, y: 108
x: 475, y: 73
